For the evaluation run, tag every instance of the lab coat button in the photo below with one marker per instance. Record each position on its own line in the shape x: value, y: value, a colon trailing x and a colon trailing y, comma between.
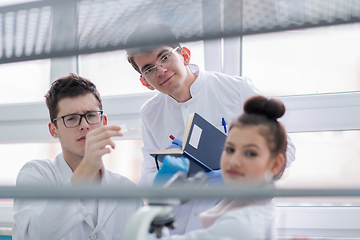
x: 185, y: 106
x: 195, y: 214
x: 93, y: 237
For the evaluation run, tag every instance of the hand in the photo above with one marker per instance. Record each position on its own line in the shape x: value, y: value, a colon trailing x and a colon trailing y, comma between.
x: 214, y: 178
x: 176, y: 143
x: 171, y: 165
x: 96, y: 145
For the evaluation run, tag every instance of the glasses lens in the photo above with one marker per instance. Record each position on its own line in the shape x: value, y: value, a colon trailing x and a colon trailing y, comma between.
x: 93, y: 117
x: 71, y: 120
x: 164, y: 62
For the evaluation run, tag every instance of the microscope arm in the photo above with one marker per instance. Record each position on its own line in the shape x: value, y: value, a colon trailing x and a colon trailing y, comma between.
x: 137, y: 228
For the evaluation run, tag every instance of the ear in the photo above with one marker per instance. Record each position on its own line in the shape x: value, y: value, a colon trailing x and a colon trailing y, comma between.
x: 146, y: 84
x: 185, y: 52
x: 104, y: 120
x: 53, y: 130
x: 277, y: 164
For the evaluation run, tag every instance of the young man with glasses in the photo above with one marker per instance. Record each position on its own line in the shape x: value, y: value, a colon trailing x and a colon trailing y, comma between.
x: 77, y: 120
x: 183, y: 89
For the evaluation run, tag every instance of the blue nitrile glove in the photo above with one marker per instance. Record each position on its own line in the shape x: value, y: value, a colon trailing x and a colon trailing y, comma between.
x: 171, y: 165
x: 176, y: 143
x: 214, y: 178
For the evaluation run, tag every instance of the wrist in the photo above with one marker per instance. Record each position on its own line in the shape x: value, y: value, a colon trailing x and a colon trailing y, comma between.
x: 85, y: 173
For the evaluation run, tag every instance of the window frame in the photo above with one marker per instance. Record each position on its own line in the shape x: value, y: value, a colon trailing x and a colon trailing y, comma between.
x: 27, y: 122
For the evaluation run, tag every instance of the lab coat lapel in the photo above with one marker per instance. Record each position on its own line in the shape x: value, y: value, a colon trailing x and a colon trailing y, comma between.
x: 63, y: 168
x: 65, y: 174
x: 89, y: 221
x: 106, y: 206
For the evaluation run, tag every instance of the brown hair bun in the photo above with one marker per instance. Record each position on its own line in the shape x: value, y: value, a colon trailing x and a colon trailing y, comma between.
x: 270, y: 108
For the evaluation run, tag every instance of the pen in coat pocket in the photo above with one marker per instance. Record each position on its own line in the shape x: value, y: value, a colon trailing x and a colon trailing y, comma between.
x: 224, y: 124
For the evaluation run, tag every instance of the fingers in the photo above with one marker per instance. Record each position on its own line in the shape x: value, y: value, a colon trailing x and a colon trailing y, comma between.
x: 102, y: 145
x: 105, y: 132
x: 97, y: 141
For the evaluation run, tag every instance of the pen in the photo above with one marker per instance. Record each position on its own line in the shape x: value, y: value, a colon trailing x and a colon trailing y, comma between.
x: 176, y: 143
x: 224, y: 124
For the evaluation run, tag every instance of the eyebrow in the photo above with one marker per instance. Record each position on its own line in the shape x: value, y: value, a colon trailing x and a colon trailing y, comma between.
x: 158, y: 56
x: 252, y: 145
x: 248, y: 145
x: 83, y: 113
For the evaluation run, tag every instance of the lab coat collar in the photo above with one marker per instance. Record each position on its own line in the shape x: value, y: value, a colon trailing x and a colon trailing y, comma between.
x: 195, y: 88
x: 64, y: 169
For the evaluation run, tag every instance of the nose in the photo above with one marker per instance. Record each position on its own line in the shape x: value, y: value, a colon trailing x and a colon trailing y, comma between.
x: 235, y: 161
x: 160, y: 70
x: 83, y: 123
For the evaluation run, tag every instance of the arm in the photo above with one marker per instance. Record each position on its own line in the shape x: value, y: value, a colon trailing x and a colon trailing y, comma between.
x: 148, y: 166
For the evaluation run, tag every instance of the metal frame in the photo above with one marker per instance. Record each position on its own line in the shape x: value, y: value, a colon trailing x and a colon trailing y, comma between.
x: 29, y: 32
x: 241, y: 192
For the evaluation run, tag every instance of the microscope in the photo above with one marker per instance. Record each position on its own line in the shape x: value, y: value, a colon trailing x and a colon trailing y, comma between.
x: 159, y: 212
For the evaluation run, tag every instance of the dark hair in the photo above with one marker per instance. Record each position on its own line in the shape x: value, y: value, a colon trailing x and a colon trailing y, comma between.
x: 263, y: 112
x: 149, y: 37
x: 69, y: 87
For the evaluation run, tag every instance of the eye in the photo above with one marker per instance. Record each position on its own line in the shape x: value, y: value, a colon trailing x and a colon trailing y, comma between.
x: 71, y: 118
x: 166, y: 57
x: 229, y: 150
x: 149, y: 70
x: 251, y: 153
x: 91, y: 115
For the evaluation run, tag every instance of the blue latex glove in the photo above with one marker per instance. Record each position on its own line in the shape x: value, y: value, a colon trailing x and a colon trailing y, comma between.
x: 176, y: 143
x: 171, y: 165
x: 214, y: 178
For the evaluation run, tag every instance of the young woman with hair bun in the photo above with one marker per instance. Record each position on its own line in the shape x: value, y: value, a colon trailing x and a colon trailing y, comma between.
x: 254, y: 154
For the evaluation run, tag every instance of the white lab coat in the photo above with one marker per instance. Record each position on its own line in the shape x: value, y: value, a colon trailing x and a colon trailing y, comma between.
x: 246, y: 223
x: 68, y: 219
x: 214, y: 96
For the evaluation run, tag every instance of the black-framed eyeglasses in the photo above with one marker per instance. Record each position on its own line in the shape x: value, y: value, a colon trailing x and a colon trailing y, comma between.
x: 164, y: 62
x: 74, y: 120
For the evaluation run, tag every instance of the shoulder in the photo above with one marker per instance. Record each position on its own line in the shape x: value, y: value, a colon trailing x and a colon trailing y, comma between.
x: 226, y: 83
x: 252, y: 216
x: 35, y: 172
x: 261, y: 210
x: 37, y: 165
x: 225, y: 78
x: 257, y: 220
